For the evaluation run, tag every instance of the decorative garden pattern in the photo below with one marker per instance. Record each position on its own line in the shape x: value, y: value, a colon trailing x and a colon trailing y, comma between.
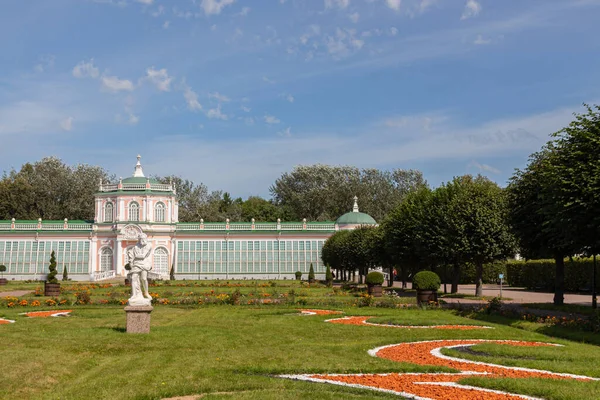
x: 4, y: 321
x: 363, y: 321
x: 319, y: 312
x: 46, y: 314
x: 438, y: 386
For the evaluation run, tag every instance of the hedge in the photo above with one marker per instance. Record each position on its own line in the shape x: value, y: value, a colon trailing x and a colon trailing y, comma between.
x: 540, y: 274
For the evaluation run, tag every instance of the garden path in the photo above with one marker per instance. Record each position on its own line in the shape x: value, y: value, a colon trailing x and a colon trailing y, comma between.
x: 15, y: 293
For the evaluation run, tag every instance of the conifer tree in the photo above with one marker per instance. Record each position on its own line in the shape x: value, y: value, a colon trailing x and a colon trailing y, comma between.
x: 311, y: 274
x: 52, y: 267
x: 65, y: 274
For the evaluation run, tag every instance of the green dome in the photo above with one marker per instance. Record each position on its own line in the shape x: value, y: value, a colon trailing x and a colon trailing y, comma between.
x: 355, y: 218
x: 139, y: 179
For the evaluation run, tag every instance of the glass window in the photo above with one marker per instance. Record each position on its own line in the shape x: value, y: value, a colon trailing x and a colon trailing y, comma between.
x: 106, y: 259
x: 159, y: 212
x: 161, y: 261
x: 108, y: 212
x: 134, y: 211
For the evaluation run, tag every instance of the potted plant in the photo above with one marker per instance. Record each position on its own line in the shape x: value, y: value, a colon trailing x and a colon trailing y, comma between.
x: 298, y: 275
x: 329, y: 276
x: 311, y: 274
x: 127, y: 280
x: 374, y: 282
x: 3, y: 280
x: 51, y: 286
x: 427, y: 284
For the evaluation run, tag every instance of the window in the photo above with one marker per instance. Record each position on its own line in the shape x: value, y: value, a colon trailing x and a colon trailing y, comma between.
x: 108, y: 212
x: 106, y: 259
x: 161, y: 261
x: 159, y: 212
x: 134, y: 211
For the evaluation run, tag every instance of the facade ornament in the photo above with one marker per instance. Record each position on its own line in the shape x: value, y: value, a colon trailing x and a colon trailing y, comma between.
x: 131, y: 232
x: 138, y: 172
x: 355, y: 208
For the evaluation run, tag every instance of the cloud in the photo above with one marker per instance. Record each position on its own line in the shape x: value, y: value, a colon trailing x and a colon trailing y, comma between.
x: 354, y: 17
x: 245, y: 109
x: 484, y: 167
x: 288, y: 97
x: 265, y: 79
x: 67, y: 124
x: 192, y: 99
x: 343, y: 43
x: 215, y: 113
x: 160, y: 78
x: 114, y: 84
x: 337, y: 3
x: 159, y: 11
x: 245, y: 11
x: 472, y: 9
x: 46, y: 62
x: 214, y: 7
x: 86, y: 69
x: 394, y: 4
x: 287, y: 132
x: 481, y: 41
x: 269, y: 119
x: 147, y: 2
x: 219, y: 97
x: 166, y: 24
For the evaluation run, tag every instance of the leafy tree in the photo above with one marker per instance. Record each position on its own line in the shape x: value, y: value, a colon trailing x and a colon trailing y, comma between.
x: 51, y: 278
x: 260, y: 209
x: 334, y: 252
x: 329, y: 276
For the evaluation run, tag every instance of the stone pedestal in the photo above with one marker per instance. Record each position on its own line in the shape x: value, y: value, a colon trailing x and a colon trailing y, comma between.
x: 138, y: 319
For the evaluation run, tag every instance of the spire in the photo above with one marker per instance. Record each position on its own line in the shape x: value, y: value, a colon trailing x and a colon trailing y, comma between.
x: 355, y: 208
x: 138, y: 168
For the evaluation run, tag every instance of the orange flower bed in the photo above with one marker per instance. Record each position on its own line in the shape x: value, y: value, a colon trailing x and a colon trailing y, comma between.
x: 442, y: 386
x: 319, y: 312
x: 5, y: 321
x: 363, y: 321
x: 45, y: 314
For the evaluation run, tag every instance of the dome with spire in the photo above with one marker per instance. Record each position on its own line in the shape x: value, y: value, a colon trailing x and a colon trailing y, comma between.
x: 138, y: 174
x: 355, y: 217
x: 137, y: 182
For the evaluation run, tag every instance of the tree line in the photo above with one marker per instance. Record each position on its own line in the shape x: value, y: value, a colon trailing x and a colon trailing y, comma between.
x: 551, y: 208
x: 51, y: 189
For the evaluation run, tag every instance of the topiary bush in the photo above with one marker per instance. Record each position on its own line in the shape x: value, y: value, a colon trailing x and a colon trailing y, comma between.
x: 426, y: 280
x: 298, y: 275
x: 2, y: 270
x: 172, y: 273
x: 374, y: 278
x: 329, y: 276
x: 65, y: 273
x: 51, y: 278
x: 311, y: 274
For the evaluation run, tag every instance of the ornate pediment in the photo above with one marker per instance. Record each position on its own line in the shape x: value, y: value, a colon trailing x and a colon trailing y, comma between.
x: 131, y: 231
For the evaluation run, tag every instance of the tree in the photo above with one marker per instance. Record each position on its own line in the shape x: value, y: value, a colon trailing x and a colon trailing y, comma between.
x: 261, y: 210
x: 311, y: 274
x: 329, y: 276
x: 536, y: 214
x: 172, y: 273
x: 51, y: 278
x: 65, y: 276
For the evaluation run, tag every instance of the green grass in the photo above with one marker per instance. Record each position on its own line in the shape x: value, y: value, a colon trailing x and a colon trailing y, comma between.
x: 234, y: 352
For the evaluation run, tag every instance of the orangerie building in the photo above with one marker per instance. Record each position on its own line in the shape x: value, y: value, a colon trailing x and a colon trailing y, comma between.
x: 96, y: 250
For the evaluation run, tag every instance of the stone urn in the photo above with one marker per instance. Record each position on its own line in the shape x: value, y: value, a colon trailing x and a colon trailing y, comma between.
x: 374, y: 284
x: 427, y: 284
x: 426, y: 296
x: 3, y: 280
x: 375, y: 290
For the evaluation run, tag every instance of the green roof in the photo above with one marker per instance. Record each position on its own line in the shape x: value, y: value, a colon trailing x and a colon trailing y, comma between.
x: 356, y: 218
x: 139, y: 179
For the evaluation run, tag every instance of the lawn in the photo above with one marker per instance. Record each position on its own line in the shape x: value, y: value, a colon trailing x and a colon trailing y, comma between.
x: 237, y: 351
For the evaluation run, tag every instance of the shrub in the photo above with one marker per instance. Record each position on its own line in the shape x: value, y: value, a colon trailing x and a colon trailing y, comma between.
x: 329, y: 276
x: 298, y: 275
x: 374, y: 278
x: 2, y: 270
x: 426, y: 280
x: 65, y: 274
x: 83, y: 297
x: 51, y: 278
x: 311, y: 273
x: 540, y: 274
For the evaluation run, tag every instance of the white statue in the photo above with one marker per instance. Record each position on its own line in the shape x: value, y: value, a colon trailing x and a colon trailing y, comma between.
x: 140, y: 262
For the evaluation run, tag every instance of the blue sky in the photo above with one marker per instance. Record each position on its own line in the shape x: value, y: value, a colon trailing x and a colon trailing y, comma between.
x: 233, y: 93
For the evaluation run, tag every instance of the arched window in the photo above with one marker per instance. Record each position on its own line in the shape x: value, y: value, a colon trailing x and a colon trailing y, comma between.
x: 108, y: 212
x: 159, y: 212
x: 106, y: 259
x: 134, y: 211
x: 161, y: 261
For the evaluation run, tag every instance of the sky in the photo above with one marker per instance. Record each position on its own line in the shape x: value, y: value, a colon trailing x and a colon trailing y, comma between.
x: 234, y: 93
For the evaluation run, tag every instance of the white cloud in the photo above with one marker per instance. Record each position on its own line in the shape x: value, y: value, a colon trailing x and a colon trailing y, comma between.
x: 354, y: 17
x: 337, y: 3
x: 269, y: 119
x: 46, y: 62
x: 484, y: 167
x: 114, y: 84
x: 393, y: 31
x: 265, y: 79
x: 67, y: 124
x: 159, y: 11
x: 166, y: 24
x: 343, y: 43
x: 86, y: 69
x: 245, y: 109
x: 289, y: 98
x: 394, y: 4
x: 287, y: 132
x: 480, y: 40
x: 472, y: 9
x: 133, y: 119
x: 214, y: 7
x: 215, y: 113
x: 192, y: 99
x: 160, y: 78
x: 245, y: 11
x: 219, y: 97
x: 147, y: 2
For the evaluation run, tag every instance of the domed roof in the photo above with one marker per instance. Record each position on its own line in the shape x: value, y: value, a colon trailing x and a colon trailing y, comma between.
x: 355, y: 217
x: 139, y: 179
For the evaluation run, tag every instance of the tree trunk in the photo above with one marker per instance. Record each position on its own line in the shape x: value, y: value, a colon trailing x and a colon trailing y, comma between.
x: 455, y: 278
x: 479, y: 279
x: 391, y: 280
x: 559, y: 280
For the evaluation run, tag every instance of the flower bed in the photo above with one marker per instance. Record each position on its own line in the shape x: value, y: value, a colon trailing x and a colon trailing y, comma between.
x: 440, y: 386
x: 45, y: 314
x: 319, y: 312
x: 6, y: 321
x: 363, y: 321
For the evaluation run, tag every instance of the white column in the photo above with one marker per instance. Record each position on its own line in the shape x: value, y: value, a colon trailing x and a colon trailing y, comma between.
x: 169, y: 216
x: 98, y: 210
x: 121, y: 210
x: 118, y: 257
x: 93, y: 256
x: 175, y: 213
x: 150, y: 214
